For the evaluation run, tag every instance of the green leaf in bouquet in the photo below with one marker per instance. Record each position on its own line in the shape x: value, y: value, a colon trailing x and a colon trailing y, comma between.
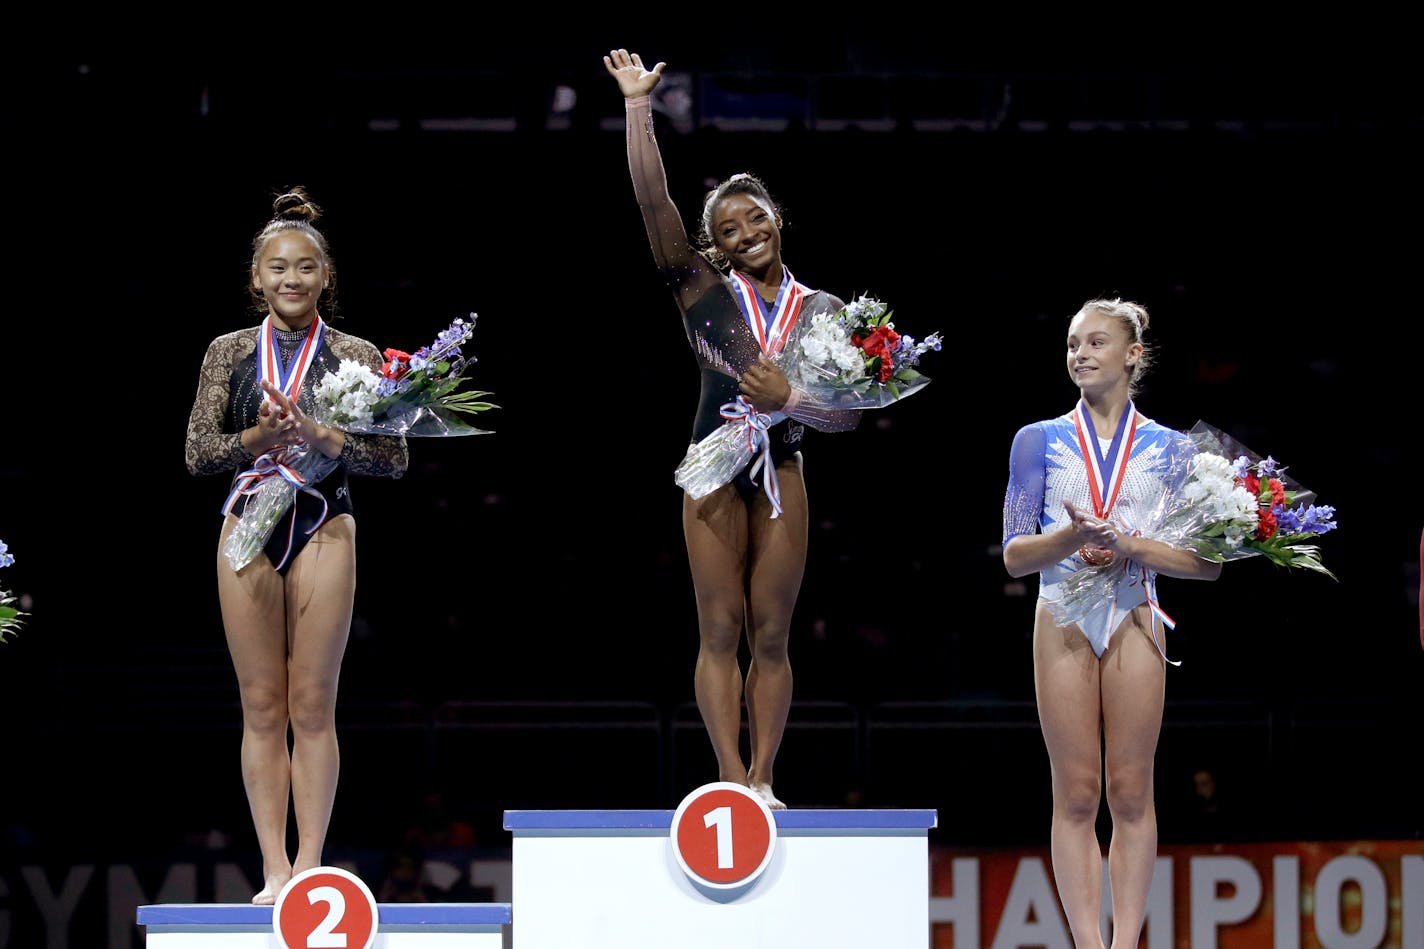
x: 466, y: 402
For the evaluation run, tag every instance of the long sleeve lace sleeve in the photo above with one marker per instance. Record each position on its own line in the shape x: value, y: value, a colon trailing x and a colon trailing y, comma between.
x: 379, y: 456
x: 1023, y: 501
x: 208, y: 449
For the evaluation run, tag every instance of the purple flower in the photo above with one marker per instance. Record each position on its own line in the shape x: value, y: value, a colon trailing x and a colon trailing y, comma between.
x: 1288, y: 519
x: 1267, y: 468
x: 6, y: 558
x: 1318, y: 519
x: 1240, y: 466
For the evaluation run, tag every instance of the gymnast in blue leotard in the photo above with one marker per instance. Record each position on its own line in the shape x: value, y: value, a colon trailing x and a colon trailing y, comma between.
x: 1076, y: 483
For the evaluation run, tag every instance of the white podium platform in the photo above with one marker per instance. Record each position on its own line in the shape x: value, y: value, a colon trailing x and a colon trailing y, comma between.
x: 832, y: 879
x: 400, y: 926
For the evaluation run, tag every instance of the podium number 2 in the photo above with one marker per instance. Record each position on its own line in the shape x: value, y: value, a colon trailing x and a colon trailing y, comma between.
x: 322, y: 936
x: 721, y: 817
x: 315, y: 903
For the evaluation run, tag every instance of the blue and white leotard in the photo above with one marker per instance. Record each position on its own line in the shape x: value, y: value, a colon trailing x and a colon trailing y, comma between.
x: 1046, y: 467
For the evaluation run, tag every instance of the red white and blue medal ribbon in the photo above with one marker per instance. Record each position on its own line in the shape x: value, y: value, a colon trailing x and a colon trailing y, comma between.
x: 756, y: 423
x: 771, y: 330
x: 1105, y: 472
x: 288, y: 378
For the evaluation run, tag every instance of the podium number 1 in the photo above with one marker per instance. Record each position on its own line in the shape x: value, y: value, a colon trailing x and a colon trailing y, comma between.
x: 722, y: 818
x: 723, y: 836
x: 322, y: 937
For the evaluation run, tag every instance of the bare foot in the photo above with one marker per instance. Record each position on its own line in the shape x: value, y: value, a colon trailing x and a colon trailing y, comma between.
x: 268, y: 895
x: 764, y: 790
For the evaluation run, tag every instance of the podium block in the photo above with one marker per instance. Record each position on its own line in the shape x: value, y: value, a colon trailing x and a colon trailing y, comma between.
x: 399, y: 926
x: 833, y: 879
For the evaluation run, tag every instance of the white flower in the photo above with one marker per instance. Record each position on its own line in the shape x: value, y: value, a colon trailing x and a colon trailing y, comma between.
x: 348, y: 394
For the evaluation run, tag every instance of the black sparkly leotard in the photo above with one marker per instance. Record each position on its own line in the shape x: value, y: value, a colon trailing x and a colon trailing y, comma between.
x: 718, y: 333
x: 227, y: 402
x: 716, y: 328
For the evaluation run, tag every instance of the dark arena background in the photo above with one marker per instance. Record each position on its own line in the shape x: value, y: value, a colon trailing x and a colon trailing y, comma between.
x: 525, y: 628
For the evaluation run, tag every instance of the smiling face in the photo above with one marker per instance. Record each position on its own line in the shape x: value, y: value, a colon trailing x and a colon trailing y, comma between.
x: 1101, y: 352
x: 745, y: 230
x: 290, y: 272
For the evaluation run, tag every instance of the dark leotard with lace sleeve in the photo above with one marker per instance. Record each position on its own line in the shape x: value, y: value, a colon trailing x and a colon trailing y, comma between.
x: 227, y: 402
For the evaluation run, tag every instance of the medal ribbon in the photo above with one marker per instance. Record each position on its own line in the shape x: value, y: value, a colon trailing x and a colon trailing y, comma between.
x: 287, y: 378
x: 1105, y: 473
x: 771, y: 332
x: 756, y: 425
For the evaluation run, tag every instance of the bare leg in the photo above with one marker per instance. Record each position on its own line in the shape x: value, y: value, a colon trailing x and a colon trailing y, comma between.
x: 253, y: 618
x: 778, y: 562
x: 1134, y: 688
x: 716, y: 531
x: 321, y: 586
x: 1067, y: 687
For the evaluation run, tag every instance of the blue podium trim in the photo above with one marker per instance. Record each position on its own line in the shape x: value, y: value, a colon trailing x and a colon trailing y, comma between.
x: 793, y: 819
x: 194, y: 915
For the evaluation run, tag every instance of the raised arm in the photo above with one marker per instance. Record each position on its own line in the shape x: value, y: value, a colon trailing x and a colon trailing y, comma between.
x: 684, y: 268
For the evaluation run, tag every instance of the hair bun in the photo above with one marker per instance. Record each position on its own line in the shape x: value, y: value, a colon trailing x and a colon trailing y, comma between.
x: 294, y: 205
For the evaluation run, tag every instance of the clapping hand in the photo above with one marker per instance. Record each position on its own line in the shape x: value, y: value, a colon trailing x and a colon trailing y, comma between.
x: 1100, y: 537
x: 281, y: 413
x: 275, y: 428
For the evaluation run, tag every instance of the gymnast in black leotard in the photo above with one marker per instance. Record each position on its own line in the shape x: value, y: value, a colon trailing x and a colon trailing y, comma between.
x: 230, y: 367
x: 287, y: 614
x: 746, y: 564
x: 717, y: 317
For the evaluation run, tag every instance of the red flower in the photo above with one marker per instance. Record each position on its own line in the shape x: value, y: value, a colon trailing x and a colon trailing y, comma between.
x: 397, y: 364
x: 880, y: 343
x: 1278, y: 492
x: 1253, y: 484
x: 1266, y: 526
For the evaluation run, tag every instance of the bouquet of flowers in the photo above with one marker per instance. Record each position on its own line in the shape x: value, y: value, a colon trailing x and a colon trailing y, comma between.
x: 838, y: 364
x: 10, y: 617
x: 857, y: 350
x: 1276, y: 521
x: 1222, y: 501
x: 415, y: 394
